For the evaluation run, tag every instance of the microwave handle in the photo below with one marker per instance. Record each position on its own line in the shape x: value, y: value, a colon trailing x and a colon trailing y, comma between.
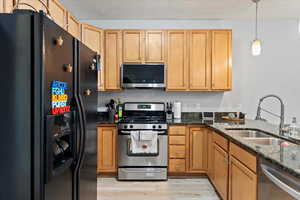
x: 280, y: 183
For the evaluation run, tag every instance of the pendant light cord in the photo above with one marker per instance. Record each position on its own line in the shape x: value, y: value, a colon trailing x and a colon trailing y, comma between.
x: 256, y: 17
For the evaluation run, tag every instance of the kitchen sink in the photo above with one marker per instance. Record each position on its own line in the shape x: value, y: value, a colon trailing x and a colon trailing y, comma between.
x: 248, y: 133
x: 268, y: 141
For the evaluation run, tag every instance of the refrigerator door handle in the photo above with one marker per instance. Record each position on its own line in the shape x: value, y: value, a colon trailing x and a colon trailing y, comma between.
x: 279, y: 183
x: 81, y: 129
x: 81, y: 154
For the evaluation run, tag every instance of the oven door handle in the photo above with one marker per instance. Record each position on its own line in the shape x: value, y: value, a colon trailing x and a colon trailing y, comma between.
x: 158, y: 132
x: 279, y: 183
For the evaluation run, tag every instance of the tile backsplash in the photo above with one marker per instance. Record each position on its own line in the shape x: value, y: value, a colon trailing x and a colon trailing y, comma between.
x: 191, y: 101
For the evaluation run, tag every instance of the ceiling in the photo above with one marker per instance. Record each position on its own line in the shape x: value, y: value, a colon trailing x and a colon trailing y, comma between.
x: 182, y: 9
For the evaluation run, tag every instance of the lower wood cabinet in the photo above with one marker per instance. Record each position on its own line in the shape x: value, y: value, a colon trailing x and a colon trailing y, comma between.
x: 107, y: 149
x: 197, y: 150
x: 242, y: 181
x: 188, y: 149
x: 210, y: 155
x: 220, y: 180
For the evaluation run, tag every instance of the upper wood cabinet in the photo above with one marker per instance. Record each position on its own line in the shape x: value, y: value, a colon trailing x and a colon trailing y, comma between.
x: 197, y: 150
x: 6, y: 6
x: 58, y: 13
x: 73, y: 26
x: 133, y: 46
x: 221, y: 60
x: 107, y: 139
x: 93, y: 37
x: 176, y: 60
x: 155, y: 51
x: 35, y: 5
x: 113, y: 59
x: 199, y: 54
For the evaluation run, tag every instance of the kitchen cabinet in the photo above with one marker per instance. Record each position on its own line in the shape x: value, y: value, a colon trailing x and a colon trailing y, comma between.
x: 155, y: 51
x: 177, y: 149
x: 221, y: 161
x: 35, y: 5
x: 107, y: 153
x: 221, y: 60
x: 93, y: 37
x: 113, y: 59
x: 199, y: 54
x: 242, y: 181
x: 133, y: 46
x: 6, y: 6
x: 176, y: 44
x: 58, y: 13
x: 73, y: 26
x: 197, y: 150
x: 210, y: 160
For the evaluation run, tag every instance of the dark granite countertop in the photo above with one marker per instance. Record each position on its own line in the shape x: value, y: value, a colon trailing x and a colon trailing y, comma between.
x: 285, y: 157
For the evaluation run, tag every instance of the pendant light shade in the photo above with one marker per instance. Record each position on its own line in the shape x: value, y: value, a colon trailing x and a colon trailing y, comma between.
x: 256, y: 47
x: 256, y: 44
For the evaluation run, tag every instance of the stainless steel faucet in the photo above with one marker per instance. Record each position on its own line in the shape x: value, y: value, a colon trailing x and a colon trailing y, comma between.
x: 259, y: 109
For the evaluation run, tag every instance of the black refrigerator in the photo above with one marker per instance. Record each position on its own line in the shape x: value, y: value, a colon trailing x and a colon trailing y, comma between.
x: 48, y: 81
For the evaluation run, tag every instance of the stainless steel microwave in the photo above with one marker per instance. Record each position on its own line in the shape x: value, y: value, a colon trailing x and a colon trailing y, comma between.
x: 143, y: 76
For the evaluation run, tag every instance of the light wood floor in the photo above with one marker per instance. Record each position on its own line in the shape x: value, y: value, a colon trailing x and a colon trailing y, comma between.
x: 173, y: 189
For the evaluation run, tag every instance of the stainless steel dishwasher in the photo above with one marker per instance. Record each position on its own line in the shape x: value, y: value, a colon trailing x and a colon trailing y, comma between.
x: 276, y: 184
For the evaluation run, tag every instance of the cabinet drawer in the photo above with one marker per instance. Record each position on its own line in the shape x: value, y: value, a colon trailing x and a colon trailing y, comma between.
x: 177, y: 130
x: 243, y: 156
x: 221, y: 141
x: 177, y: 151
x: 176, y: 165
x: 177, y: 140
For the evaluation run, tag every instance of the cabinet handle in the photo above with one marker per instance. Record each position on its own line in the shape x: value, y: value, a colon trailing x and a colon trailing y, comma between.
x: 68, y: 68
x: 88, y: 92
x: 59, y: 41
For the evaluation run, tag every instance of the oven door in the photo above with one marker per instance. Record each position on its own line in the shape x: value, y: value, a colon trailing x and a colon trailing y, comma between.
x: 126, y: 159
x: 143, y: 76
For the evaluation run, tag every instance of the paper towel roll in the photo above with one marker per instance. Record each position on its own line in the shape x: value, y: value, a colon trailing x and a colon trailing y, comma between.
x: 177, y: 109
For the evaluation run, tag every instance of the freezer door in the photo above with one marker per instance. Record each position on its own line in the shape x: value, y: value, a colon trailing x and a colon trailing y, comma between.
x: 88, y: 95
x: 59, y: 59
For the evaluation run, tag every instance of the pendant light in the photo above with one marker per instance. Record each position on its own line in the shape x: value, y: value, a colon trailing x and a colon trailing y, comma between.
x: 256, y: 44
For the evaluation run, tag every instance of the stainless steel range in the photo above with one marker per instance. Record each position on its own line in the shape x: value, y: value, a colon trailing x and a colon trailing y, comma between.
x: 143, y: 142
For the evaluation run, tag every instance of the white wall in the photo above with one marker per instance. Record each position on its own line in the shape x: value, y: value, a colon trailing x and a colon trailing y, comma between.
x: 275, y: 71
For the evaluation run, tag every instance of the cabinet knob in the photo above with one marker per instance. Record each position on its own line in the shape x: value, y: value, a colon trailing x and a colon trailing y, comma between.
x: 92, y: 67
x: 68, y: 68
x: 59, y: 41
x: 88, y: 92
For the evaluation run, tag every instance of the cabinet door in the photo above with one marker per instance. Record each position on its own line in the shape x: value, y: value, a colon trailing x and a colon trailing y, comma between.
x: 199, y: 60
x: 176, y: 60
x: 176, y: 166
x: 221, y: 171
x: 107, y: 149
x: 93, y: 37
x: 210, y: 166
x: 113, y: 59
x: 155, y: 46
x: 221, y: 60
x: 6, y: 6
x: 73, y: 26
x: 242, y: 181
x: 58, y: 13
x: 36, y: 5
x: 133, y: 46
x: 197, y: 150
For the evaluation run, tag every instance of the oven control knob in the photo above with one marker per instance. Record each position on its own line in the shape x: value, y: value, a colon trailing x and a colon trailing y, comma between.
x: 131, y: 126
x: 153, y: 126
x: 159, y: 126
x: 125, y: 126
